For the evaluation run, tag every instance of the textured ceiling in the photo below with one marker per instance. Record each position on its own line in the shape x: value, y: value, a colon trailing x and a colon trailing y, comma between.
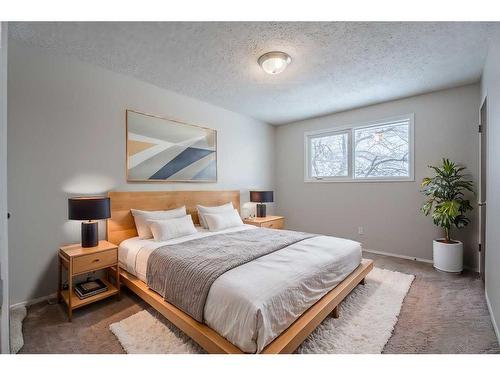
x: 335, y: 66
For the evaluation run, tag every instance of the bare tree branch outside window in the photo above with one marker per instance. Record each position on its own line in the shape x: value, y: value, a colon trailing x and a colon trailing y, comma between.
x: 379, y: 151
x: 382, y: 151
x: 329, y: 156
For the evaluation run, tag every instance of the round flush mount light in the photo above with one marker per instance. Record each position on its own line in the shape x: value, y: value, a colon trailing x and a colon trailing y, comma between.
x: 274, y: 62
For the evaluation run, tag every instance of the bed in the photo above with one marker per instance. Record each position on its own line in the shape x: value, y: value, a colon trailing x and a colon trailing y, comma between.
x: 268, y: 305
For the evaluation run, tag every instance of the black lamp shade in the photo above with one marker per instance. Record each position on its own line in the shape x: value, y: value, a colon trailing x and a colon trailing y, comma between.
x: 88, y: 208
x: 261, y: 196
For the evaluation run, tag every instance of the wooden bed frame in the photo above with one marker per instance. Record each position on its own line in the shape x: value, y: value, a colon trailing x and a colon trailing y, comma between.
x: 121, y: 226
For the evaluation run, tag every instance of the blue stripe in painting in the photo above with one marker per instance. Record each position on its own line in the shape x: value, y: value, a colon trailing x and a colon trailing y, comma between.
x: 181, y: 161
x: 207, y: 173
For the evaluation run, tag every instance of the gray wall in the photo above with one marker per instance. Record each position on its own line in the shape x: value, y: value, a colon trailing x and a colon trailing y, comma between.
x: 66, y: 130
x: 445, y: 126
x: 490, y: 87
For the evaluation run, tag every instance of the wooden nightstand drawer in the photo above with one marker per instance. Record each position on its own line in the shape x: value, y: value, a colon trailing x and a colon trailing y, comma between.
x: 91, y: 262
x: 272, y: 222
x: 275, y: 224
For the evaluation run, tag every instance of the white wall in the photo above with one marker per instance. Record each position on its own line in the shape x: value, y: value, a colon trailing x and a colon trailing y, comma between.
x: 445, y: 126
x: 490, y: 88
x: 66, y: 129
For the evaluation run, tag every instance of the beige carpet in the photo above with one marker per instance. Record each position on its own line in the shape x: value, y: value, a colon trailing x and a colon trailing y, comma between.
x: 368, y: 316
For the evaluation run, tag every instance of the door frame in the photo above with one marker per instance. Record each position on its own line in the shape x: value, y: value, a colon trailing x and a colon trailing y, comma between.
x: 4, y: 270
x: 482, y: 196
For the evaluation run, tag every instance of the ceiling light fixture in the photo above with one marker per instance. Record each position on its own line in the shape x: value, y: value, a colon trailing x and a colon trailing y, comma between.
x: 274, y: 62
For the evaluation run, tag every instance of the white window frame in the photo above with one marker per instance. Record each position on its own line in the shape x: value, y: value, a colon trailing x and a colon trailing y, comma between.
x: 327, y: 133
x: 349, y: 129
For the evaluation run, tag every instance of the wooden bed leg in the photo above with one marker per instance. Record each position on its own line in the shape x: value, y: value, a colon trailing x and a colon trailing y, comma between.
x: 335, y: 312
x: 363, y: 281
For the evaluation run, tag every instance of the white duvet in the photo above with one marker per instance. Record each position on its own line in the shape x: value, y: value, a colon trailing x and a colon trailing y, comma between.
x: 252, y: 304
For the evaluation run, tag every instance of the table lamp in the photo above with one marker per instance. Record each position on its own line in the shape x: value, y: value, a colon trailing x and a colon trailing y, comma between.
x: 91, y: 209
x: 261, y: 197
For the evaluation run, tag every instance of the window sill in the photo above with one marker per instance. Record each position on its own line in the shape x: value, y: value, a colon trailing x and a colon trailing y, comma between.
x: 343, y: 180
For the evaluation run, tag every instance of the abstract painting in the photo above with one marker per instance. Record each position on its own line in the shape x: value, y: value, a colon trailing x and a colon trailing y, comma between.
x: 159, y: 149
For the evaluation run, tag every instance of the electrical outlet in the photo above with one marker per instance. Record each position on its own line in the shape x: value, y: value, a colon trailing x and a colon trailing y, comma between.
x: 360, y: 231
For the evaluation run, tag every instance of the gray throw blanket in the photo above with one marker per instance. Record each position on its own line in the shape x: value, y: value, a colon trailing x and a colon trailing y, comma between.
x: 183, y: 273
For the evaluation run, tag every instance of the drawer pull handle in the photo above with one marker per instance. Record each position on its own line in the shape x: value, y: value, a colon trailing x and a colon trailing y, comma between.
x: 95, y: 260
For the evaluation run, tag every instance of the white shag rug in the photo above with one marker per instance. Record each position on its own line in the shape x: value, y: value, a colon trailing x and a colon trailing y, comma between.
x: 17, y: 316
x: 367, y: 317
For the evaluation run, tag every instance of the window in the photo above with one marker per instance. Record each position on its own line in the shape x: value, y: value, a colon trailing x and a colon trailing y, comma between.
x: 382, y: 151
x: 379, y: 151
x: 329, y: 155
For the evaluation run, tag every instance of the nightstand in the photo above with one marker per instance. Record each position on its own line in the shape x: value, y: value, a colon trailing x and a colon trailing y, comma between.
x: 79, y: 260
x: 273, y: 222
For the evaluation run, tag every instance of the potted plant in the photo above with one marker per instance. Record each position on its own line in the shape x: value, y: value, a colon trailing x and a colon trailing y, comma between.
x: 447, y: 205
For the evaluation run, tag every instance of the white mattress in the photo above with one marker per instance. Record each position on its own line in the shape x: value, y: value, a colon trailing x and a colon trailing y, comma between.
x: 252, y: 304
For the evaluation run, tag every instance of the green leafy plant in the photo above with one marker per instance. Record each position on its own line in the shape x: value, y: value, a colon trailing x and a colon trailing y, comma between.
x: 446, y: 201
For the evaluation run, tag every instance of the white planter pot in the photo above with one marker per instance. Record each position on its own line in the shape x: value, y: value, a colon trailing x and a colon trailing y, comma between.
x: 448, y: 257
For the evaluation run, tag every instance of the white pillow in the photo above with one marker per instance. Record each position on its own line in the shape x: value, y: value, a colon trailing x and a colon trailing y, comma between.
x: 223, y: 220
x: 164, y: 230
x: 202, y: 210
x: 141, y: 219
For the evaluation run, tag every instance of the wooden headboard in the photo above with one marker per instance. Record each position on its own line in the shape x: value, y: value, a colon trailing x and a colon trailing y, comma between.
x: 121, y: 224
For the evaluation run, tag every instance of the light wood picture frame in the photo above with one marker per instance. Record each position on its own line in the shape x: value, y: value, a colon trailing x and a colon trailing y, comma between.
x: 164, y: 150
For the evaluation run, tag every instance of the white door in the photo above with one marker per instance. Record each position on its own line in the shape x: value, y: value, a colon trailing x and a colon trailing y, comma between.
x: 4, y: 286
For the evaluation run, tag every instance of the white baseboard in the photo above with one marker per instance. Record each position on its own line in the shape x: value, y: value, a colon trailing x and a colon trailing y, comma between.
x: 411, y: 258
x: 33, y: 301
x: 495, y: 327
x: 398, y: 256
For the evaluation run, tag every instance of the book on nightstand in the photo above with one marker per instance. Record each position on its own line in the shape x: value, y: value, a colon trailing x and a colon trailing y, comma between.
x: 90, y: 288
